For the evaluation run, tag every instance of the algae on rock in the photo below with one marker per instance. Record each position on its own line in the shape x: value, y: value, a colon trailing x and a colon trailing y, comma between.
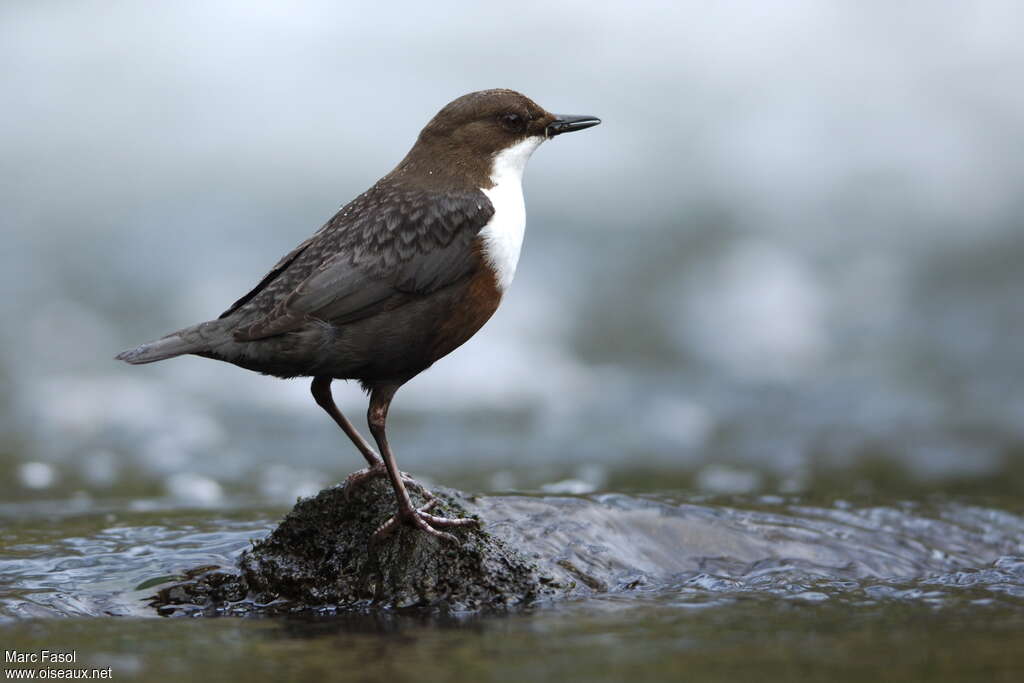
x: 321, y: 555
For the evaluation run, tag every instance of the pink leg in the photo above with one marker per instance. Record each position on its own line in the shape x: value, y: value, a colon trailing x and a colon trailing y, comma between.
x: 321, y: 389
x: 380, y: 400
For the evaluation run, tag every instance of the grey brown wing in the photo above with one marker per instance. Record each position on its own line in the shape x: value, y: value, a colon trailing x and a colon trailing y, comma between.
x: 413, y: 246
x: 278, y: 268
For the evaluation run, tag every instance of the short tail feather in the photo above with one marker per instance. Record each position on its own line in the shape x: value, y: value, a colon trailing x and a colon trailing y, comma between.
x: 189, y: 340
x: 161, y: 349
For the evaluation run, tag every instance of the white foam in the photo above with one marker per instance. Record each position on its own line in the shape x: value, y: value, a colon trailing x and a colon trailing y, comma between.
x: 194, y: 489
x: 37, y: 475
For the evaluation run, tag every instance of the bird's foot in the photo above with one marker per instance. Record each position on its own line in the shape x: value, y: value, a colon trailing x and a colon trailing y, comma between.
x: 420, y: 518
x: 362, y: 477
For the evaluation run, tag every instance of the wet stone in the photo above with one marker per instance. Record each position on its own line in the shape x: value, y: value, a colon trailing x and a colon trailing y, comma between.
x: 321, y: 557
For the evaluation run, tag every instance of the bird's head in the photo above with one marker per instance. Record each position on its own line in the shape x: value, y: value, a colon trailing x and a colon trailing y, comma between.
x: 490, y: 130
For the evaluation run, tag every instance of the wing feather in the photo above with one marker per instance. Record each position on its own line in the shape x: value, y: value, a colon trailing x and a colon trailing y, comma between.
x: 387, y: 246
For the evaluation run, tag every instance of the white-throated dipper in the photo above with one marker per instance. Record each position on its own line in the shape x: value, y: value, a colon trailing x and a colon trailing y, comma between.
x: 399, y: 277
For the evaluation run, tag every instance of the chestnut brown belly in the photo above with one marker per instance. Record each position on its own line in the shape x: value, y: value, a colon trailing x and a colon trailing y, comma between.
x: 400, y: 343
x: 479, y: 302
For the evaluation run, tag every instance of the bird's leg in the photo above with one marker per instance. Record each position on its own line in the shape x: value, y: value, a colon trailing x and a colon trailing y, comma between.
x: 380, y: 400
x: 321, y: 389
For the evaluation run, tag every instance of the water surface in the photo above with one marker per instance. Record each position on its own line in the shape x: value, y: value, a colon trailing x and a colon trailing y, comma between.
x: 755, y: 588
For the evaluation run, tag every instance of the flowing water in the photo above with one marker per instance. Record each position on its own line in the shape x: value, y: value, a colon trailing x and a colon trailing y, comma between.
x: 669, y: 588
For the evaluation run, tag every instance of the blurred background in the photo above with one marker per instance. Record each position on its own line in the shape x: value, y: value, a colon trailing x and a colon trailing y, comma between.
x: 789, y: 260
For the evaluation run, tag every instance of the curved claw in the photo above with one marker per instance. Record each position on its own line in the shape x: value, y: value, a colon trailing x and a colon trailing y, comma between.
x: 422, y: 520
x: 447, y: 521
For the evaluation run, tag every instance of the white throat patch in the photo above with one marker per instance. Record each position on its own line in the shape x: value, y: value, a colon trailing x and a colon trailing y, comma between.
x: 503, y: 234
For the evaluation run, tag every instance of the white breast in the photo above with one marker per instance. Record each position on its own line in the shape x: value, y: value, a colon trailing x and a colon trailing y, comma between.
x: 503, y: 234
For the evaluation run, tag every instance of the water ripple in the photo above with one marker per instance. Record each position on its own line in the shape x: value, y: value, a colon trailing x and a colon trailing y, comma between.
x: 688, y: 555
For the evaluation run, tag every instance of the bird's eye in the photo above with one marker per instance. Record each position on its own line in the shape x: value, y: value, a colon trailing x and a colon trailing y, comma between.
x: 512, y: 122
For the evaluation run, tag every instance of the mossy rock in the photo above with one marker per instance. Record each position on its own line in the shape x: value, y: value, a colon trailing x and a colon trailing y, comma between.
x: 322, y: 556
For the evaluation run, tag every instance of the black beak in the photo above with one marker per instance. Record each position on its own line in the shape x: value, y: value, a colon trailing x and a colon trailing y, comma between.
x: 568, y: 124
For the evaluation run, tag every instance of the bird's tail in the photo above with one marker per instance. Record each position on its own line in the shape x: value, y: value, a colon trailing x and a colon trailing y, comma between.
x: 195, y: 339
